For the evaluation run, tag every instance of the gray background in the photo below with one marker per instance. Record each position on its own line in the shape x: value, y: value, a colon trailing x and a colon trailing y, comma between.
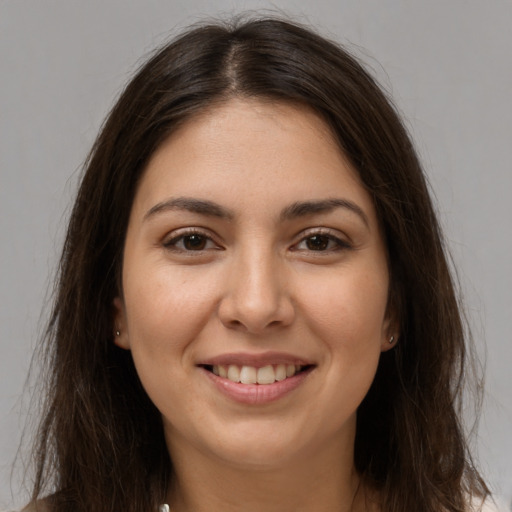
x: 448, y: 64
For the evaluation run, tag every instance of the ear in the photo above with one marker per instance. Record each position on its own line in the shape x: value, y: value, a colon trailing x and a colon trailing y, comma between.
x: 121, y: 338
x: 390, y: 331
x: 389, y: 342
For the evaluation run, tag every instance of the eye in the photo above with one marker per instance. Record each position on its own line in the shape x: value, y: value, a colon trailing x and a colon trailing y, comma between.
x: 190, y: 241
x: 321, y: 242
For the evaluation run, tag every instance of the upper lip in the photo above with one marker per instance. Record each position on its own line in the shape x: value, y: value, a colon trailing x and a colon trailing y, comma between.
x: 255, y: 360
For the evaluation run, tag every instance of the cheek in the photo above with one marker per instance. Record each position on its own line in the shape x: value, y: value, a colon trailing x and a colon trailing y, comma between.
x: 345, y: 314
x: 349, y: 307
x: 166, y: 309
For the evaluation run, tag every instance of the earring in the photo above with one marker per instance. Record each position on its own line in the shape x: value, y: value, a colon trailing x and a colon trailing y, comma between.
x: 118, y: 333
x: 391, y: 340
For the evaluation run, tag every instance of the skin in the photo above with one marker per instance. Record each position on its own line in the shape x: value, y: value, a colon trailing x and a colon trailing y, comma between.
x: 256, y: 281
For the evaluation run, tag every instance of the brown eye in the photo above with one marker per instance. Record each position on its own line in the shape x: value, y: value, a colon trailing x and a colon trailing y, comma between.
x: 322, y: 242
x: 191, y: 242
x: 194, y: 242
x: 318, y: 242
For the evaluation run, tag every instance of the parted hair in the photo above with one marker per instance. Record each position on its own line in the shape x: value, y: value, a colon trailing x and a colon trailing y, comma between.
x: 100, y: 445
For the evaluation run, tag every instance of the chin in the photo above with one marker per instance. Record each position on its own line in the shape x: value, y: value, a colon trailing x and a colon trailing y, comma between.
x: 265, y: 444
x: 258, y: 456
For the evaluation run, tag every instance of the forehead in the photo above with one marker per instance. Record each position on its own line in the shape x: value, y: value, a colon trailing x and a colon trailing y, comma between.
x: 249, y: 151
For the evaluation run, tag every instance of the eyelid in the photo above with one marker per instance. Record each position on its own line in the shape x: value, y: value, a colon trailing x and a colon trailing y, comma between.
x: 171, y: 239
x: 342, y: 241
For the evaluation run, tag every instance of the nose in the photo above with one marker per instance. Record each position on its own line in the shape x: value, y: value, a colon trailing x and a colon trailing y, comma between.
x: 257, y: 295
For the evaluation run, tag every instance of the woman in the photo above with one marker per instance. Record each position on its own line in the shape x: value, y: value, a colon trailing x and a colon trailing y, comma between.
x: 254, y: 309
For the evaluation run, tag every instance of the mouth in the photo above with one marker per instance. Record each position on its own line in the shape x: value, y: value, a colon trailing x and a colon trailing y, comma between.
x: 263, y: 375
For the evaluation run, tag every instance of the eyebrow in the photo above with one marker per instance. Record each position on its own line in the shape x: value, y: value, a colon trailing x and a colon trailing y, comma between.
x: 291, y: 212
x: 305, y: 208
x: 200, y: 206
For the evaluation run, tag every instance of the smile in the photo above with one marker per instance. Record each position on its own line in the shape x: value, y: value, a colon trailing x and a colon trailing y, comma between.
x: 254, y: 379
x: 264, y: 375
x: 256, y: 385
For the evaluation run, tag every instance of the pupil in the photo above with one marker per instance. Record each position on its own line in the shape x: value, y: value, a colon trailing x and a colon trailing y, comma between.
x: 317, y: 243
x: 194, y: 242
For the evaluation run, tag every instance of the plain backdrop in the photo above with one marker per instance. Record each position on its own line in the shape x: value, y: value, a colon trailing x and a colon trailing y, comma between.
x: 447, y: 63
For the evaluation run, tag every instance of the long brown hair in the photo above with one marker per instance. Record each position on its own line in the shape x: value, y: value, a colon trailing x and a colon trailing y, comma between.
x: 100, y: 443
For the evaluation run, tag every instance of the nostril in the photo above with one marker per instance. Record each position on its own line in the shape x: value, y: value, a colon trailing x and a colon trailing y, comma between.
x: 255, y: 314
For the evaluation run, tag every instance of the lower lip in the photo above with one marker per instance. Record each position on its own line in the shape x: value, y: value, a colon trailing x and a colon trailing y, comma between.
x: 257, y: 394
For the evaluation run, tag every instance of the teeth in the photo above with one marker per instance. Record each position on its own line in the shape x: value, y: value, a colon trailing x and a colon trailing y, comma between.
x: 233, y: 373
x: 248, y: 375
x: 251, y: 375
x: 280, y: 372
x: 266, y: 375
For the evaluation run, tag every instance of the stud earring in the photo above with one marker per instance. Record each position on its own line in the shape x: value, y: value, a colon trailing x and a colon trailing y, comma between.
x: 391, y: 340
x: 118, y: 333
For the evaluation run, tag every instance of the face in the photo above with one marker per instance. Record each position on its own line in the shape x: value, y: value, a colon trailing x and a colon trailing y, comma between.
x: 253, y: 254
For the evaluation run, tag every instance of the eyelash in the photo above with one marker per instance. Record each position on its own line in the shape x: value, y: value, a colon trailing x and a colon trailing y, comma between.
x: 172, y: 244
x: 339, y: 244
x: 326, y: 236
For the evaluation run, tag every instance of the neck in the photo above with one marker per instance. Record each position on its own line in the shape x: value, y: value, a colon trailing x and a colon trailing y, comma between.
x: 324, y: 481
